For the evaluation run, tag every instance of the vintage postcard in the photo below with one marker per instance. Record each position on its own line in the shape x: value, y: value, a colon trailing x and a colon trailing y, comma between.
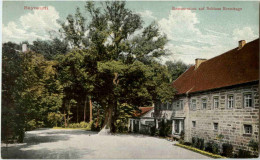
x: 129, y: 79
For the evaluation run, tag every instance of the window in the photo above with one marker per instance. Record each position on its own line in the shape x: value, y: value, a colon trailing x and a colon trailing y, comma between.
x: 248, y: 100
x: 169, y: 106
x: 181, y: 104
x: 216, y: 102
x: 204, y: 103
x: 178, y: 104
x: 230, y: 101
x: 165, y: 106
x: 215, y: 126
x: 248, y: 129
x: 193, y: 123
x: 193, y: 104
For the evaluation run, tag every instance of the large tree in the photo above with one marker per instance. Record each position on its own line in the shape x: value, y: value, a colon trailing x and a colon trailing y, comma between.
x: 122, y: 56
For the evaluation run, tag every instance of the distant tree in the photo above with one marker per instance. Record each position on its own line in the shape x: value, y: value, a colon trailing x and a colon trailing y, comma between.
x: 50, y: 48
x: 176, y: 68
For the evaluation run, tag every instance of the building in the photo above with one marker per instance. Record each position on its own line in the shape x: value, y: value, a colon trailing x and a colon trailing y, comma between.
x: 219, y: 96
x: 142, y: 121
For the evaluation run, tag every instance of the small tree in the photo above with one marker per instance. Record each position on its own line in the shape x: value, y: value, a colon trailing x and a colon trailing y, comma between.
x: 55, y: 118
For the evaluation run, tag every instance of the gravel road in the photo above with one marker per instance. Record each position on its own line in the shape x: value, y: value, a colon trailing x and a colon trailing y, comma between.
x: 80, y: 144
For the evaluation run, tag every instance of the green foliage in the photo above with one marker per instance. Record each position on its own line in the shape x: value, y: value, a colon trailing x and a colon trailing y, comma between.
x: 227, y: 150
x: 200, y: 151
x: 212, y: 147
x: 164, y: 128
x: 55, y: 118
x: 243, y: 154
x: 176, y: 68
x: 50, y: 49
x: 198, y: 143
x: 253, y: 144
x: 31, y: 92
x: 84, y: 125
x: 220, y: 137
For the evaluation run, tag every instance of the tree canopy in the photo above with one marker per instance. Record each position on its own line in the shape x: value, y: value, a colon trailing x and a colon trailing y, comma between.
x: 105, y: 57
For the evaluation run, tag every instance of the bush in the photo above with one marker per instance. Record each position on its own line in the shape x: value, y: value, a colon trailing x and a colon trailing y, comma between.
x: 181, y: 140
x: 200, y: 151
x: 227, y: 150
x: 254, y: 145
x: 212, y: 147
x: 243, y: 154
x: 201, y: 143
x: 187, y: 143
x: 84, y: 125
x: 197, y: 143
x: 193, y: 141
x: 152, y: 129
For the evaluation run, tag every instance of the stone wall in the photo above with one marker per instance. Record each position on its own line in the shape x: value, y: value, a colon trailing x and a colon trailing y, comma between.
x: 230, y: 121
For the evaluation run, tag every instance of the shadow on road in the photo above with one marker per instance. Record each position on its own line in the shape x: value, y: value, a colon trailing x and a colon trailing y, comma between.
x: 30, y: 149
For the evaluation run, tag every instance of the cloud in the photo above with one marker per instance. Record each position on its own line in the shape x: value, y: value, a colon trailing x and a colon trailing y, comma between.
x: 188, y: 41
x: 147, y: 14
x: 32, y: 26
x: 180, y: 22
x: 245, y: 33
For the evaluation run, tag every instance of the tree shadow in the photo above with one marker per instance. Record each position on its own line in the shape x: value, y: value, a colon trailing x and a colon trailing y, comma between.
x: 70, y: 132
x: 43, y: 153
x: 29, y: 150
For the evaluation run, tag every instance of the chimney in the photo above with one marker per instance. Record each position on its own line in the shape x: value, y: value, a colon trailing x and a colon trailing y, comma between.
x: 24, y: 48
x: 241, y: 44
x: 198, y: 61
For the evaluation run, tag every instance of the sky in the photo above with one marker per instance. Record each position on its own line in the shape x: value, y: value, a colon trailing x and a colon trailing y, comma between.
x: 192, y: 33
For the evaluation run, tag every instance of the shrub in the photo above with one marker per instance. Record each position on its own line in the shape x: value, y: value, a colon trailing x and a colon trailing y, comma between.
x: 212, y: 147
x: 193, y: 141
x: 152, y: 129
x: 243, y: 154
x: 201, y: 143
x: 200, y: 151
x: 209, y: 147
x: 54, y: 118
x: 181, y: 140
x: 187, y: 143
x: 227, y: 150
x: 253, y: 144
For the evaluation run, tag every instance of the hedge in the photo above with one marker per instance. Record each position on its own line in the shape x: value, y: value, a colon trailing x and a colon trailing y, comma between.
x: 200, y: 151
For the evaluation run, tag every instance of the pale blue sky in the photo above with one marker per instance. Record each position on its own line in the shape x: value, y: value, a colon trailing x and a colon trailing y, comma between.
x: 192, y: 34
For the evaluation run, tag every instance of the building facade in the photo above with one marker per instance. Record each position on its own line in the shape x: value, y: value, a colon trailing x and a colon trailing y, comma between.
x: 219, y: 96
x: 142, y: 121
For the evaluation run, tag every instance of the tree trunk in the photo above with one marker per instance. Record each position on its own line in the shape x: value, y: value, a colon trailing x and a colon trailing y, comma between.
x: 90, y: 110
x: 65, y: 121
x: 85, y: 108
x: 97, y: 118
x: 77, y: 114
x: 110, y: 118
x: 68, y: 118
x: 107, y: 126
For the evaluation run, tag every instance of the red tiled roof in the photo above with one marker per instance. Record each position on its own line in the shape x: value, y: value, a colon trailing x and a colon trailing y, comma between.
x: 143, y: 110
x: 231, y: 68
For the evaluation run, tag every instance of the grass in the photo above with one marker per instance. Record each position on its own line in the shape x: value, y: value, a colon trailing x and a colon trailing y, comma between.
x: 71, y: 128
x: 200, y: 151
